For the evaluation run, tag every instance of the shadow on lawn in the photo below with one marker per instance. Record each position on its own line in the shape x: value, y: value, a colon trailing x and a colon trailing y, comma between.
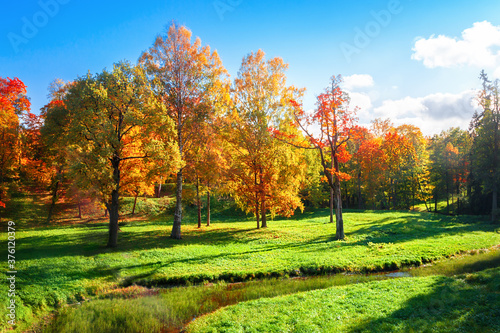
x: 453, y: 305
x: 410, y: 227
x: 90, y: 240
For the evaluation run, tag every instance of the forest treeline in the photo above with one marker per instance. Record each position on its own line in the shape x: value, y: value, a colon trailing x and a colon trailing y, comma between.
x: 176, y: 116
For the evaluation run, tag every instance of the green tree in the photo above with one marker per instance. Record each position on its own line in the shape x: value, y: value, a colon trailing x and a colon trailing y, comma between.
x: 111, y: 117
x: 485, y: 131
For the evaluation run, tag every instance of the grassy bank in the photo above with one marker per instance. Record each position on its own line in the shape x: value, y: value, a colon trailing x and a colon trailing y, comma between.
x: 171, y: 309
x: 465, y: 303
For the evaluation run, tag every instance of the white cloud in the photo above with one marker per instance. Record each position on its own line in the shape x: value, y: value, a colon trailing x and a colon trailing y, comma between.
x: 358, y: 81
x: 478, y: 47
x: 432, y: 113
x: 360, y: 100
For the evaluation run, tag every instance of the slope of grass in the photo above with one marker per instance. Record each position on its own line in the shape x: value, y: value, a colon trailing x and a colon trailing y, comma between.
x: 66, y: 264
x: 169, y: 309
x: 466, y: 303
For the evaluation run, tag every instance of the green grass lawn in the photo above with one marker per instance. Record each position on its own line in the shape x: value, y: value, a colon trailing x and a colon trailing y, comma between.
x: 466, y: 303
x: 61, y: 264
x: 138, y: 309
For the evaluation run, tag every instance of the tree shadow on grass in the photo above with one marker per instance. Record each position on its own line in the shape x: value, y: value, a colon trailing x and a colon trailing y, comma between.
x: 92, y: 241
x: 453, y: 305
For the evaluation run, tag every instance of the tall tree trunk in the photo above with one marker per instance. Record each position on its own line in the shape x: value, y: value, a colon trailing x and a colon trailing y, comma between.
x: 332, y: 198
x: 263, y: 212
x: 257, y: 212
x: 135, y: 202
x: 106, y: 211
x: 113, y: 220
x: 208, y: 207
x: 198, y: 201
x: 114, y: 205
x: 176, y: 228
x: 435, y: 203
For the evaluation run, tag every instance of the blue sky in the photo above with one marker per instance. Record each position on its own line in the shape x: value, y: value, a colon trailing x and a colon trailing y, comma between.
x: 413, y: 61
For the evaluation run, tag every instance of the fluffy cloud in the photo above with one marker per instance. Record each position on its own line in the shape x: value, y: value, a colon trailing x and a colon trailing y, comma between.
x: 431, y: 113
x: 358, y: 81
x: 477, y: 47
x: 360, y: 100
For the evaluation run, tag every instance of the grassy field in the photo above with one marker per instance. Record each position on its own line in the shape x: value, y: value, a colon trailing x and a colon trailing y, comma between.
x: 66, y: 263
x: 466, y: 303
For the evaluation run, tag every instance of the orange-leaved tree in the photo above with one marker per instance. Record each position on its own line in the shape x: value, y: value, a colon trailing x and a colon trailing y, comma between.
x: 186, y: 75
x: 328, y: 128
x: 13, y: 104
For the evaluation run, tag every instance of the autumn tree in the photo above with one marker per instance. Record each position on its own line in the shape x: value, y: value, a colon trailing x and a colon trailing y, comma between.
x: 334, y: 121
x: 265, y: 174
x: 363, y: 158
x: 186, y: 75
x: 206, y: 164
x: 54, y: 139
x: 13, y: 104
x: 110, y: 118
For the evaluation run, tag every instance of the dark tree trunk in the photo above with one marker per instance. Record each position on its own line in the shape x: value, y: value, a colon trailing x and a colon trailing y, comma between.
x: 106, y: 212
x: 114, y: 205
x: 198, y: 201
x: 208, y: 208
x: 257, y: 212
x: 55, y: 188
x: 135, y: 202
x: 176, y: 228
